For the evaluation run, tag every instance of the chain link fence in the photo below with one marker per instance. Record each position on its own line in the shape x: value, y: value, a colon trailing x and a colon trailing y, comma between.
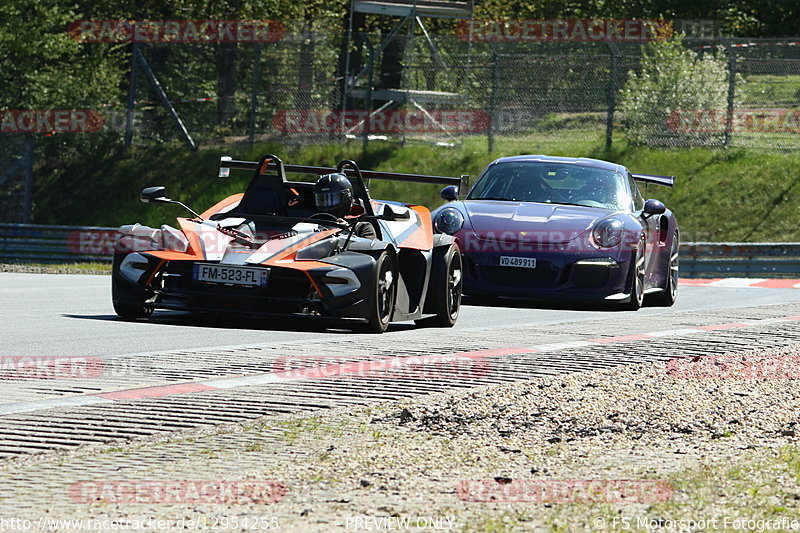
x: 16, y: 177
x: 444, y: 89
x: 230, y: 93
x: 294, y: 91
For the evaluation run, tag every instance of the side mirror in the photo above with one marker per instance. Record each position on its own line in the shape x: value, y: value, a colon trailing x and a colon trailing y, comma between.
x: 449, y: 193
x: 153, y: 194
x: 654, y: 207
x: 156, y: 194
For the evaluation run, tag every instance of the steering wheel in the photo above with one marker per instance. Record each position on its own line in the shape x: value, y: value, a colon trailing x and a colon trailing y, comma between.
x: 331, y: 219
x: 552, y: 193
x: 325, y: 215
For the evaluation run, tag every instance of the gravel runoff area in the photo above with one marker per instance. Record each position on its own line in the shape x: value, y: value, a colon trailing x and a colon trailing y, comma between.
x: 656, y: 445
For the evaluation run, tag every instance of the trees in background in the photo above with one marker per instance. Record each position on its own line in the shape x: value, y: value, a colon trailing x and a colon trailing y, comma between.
x: 43, y: 68
x: 674, y: 81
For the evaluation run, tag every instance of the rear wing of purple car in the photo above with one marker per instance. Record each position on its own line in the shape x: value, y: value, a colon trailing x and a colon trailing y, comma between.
x: 667, y: 181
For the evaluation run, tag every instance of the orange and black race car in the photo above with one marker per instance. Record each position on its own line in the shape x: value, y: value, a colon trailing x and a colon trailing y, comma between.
x: 271, y: 252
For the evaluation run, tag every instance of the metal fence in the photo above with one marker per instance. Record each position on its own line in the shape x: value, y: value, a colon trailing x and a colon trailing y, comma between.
x: 445, y: 89
x: 735, y: 259
x: 31, y: 243
x: 35, y: 243
x: 16, y: 177
x: 228, y: 94
x: 535, y: 89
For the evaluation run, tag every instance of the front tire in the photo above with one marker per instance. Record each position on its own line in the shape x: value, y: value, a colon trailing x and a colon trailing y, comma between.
x: 667, y: 297
x: 132, y: 312
x: 637, y: 276
x: 383, y: 297
x: 128, y: 304
x: 445, y: 294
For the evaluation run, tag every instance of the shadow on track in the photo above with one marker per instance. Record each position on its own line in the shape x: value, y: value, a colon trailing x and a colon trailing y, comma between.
x: 523, y: 303
x: 206, y: 321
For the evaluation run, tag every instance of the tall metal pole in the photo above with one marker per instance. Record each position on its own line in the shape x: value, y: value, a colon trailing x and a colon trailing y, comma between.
x: 612, y: 93
x: 27, y: 195
x: 251, y: 121
x: 131, y: 97
x: 493, y: 99
x: 164, y: 100
x: 731, y: 92
x: 368, y: 105
x: 346, y: 80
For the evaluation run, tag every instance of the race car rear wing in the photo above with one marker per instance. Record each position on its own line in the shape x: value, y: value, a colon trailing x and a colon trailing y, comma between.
x: 226, y: 164
x: 667, y: 181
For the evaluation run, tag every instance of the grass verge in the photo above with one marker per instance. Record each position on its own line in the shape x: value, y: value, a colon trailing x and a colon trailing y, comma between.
x: 57, y: 268
x: 721, y: 195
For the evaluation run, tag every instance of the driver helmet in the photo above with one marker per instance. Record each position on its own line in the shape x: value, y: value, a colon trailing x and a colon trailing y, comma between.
x: 334, y: 194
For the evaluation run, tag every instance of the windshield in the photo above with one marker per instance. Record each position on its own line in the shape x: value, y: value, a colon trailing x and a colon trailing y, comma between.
x: 556, y: 183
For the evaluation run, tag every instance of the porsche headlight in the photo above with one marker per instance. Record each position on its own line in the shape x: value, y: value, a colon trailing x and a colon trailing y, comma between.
x: 608, y: 233
x: 449, y: 220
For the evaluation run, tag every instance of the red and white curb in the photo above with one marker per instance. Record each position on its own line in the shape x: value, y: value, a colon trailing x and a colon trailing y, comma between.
x: 351, y: 368
x: 740, y: 283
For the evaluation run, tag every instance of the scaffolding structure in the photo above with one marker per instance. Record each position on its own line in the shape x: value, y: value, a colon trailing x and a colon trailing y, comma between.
x: 411, y: 14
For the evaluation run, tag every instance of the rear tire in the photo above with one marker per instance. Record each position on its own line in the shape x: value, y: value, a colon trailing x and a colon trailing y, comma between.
x: 383, y: 297
x: 445, y: 294
x: 667, y: 297
x: 637, y: 280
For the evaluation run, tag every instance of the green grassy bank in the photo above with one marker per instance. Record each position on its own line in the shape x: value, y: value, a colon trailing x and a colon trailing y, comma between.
x: 721, y: 195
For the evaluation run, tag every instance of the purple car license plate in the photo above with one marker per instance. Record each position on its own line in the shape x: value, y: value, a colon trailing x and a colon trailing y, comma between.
x: 518, y: 262
x: 230, y: 275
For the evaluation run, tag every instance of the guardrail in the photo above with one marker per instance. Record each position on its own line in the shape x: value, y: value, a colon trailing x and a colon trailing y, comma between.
x: 35, y: 243
x: 58, y: 244
x: 740, y: 260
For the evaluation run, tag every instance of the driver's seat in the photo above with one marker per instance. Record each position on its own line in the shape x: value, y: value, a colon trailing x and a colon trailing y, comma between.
x: 529, y: 189
x: 264, y: 196
x: 266, y: 193
x: 594, y: 192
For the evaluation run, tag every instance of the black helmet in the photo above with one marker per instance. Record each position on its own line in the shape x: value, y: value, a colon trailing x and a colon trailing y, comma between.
x: 334, y: 194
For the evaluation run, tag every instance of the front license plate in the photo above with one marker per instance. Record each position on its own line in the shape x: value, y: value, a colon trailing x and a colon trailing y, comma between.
x: 230, y: 275
x: 518, y: 262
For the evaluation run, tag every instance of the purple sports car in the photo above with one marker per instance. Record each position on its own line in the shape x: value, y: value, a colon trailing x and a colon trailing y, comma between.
x: 575, y: 229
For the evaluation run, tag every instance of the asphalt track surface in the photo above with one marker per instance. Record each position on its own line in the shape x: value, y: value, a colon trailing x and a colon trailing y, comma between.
x: 71, y: 315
